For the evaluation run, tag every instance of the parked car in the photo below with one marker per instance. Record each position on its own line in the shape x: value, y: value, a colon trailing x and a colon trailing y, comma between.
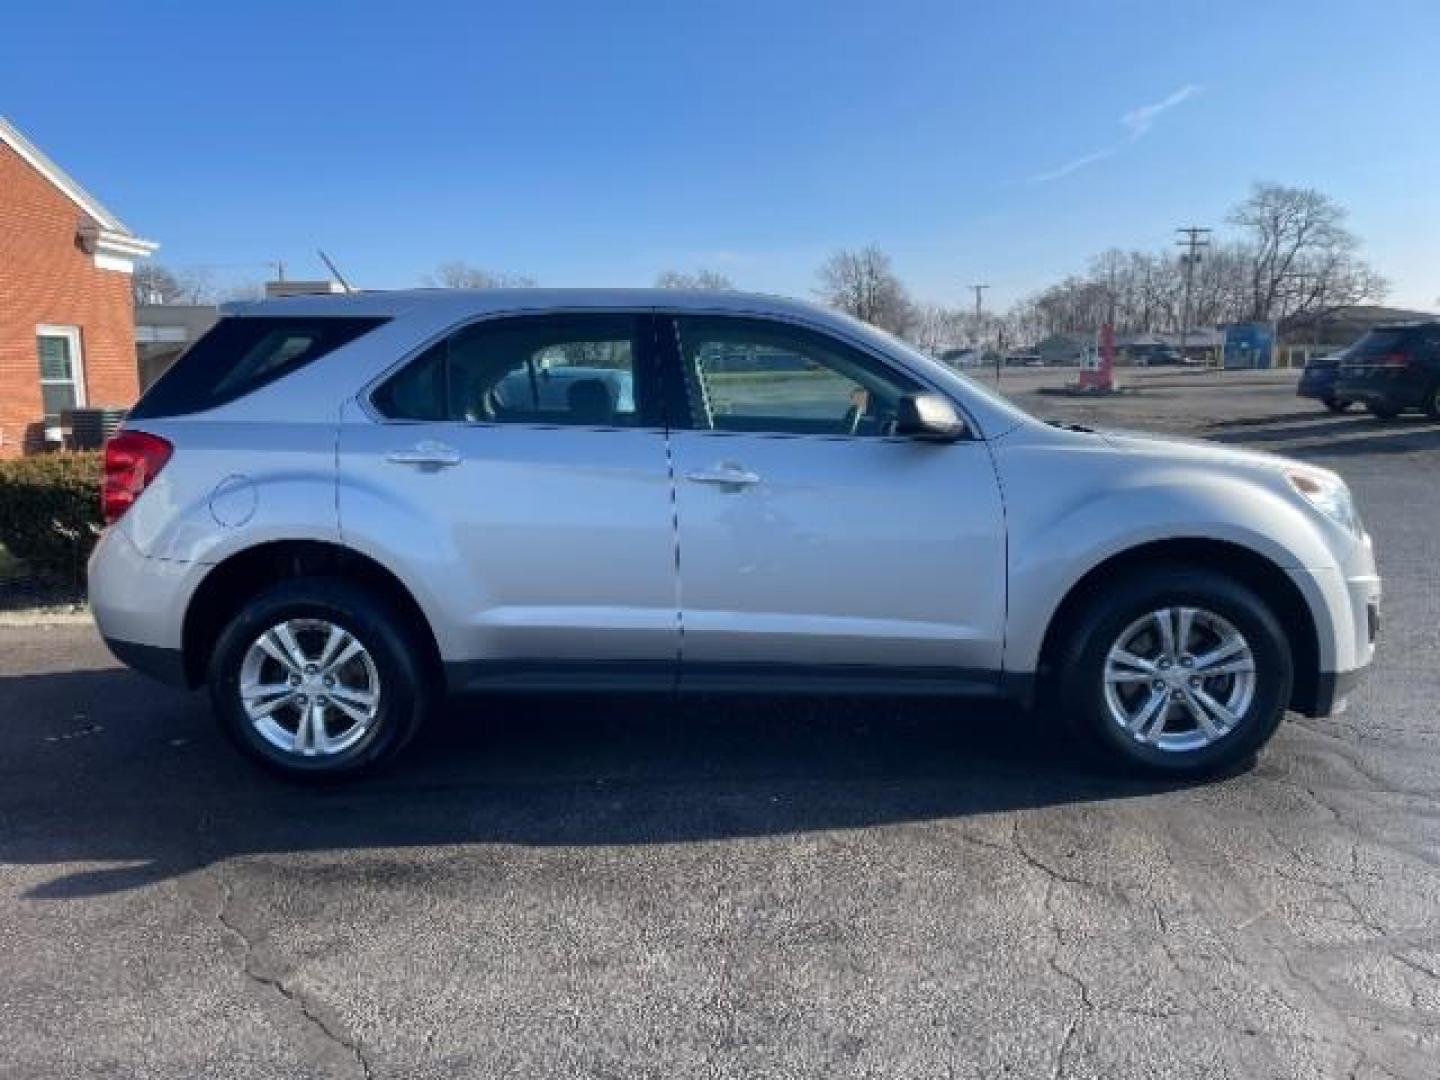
x: 1318, y: 380
x: 1154, y: 356
x: 1392, y: 369
x: 327, y: 513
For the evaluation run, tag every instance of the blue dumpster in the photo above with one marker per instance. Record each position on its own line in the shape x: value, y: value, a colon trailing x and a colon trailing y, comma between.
x: 1250, y: 345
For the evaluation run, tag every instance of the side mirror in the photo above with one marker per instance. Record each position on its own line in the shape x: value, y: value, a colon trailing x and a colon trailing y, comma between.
x: 930, y: 417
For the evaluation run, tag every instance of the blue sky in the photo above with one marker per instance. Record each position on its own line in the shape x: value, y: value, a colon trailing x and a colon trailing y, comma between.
x: 599, y: 143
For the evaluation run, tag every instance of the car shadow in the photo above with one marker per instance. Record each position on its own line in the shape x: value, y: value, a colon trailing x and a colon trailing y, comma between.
x: 1339, y: 437
x: 1316, y: 413
x: 1280, y: 430
x: 101, y: 767
x: 1392, y: 438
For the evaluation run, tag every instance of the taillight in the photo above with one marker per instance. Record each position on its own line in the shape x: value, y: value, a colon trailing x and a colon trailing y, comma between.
x: 132, y: 460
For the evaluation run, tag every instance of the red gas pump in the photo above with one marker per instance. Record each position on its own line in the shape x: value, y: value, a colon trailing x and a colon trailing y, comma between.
x: 1097, y: 372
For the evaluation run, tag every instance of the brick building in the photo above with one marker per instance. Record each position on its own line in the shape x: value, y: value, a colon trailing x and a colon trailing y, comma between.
x: 67, y: 323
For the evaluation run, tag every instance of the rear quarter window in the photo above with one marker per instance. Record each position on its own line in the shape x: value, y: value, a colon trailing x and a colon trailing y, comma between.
x: 239, y: 355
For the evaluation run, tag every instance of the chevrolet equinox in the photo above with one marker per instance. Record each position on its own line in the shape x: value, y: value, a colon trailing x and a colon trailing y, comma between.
x: 334, y: 510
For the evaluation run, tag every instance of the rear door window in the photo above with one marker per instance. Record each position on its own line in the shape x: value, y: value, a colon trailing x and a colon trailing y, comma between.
x: 240, y: 355
x: 584, y: 370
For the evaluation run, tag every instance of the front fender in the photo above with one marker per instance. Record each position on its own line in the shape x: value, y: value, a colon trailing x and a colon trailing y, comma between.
x: 1053, y: 547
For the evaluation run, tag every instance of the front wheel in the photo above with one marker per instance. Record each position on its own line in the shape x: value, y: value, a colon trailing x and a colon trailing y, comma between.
x: 316, y: 677
x: 1335, y: 405
x: 1382, y: 411
x: 1178, y: 671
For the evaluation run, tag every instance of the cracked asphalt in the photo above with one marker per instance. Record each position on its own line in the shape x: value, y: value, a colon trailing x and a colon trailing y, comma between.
x: 650, y: 887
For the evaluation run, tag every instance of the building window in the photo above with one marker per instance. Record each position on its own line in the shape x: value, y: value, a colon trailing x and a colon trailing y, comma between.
x: 62, y: 373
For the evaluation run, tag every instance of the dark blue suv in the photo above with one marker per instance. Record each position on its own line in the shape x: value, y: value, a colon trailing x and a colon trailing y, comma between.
x: 1394, y: 368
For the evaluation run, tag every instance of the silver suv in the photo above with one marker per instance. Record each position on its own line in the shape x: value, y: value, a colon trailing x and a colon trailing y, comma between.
x: 335, y: 510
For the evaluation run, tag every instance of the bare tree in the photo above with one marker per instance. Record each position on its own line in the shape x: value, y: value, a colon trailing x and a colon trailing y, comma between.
x: 153, y: 283
x: 458, y: 274
x: 241, y: 290
x: 1301, y: 254
x: 935, y: 328
x: 863, y: 284
x: 1294, y: 263
x: 701, y: 279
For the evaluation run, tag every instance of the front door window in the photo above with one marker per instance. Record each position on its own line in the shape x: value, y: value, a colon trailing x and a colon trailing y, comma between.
x: 756, y: 376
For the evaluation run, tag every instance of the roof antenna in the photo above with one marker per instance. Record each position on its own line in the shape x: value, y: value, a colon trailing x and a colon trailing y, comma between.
x: 334, y: 271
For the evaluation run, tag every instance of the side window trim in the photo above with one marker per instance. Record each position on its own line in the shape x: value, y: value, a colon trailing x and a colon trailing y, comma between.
x: 647, y: 373
x: 680, y: 395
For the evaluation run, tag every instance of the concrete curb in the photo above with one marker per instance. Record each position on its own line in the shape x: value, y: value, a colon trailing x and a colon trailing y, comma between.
x: 30, y: 618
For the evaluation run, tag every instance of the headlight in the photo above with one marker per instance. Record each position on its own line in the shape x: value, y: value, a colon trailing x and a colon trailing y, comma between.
x: 1329, y: 495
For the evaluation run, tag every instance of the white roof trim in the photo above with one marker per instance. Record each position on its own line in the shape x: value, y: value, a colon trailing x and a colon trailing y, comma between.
x: 108, y: 223
x: 98, y: 240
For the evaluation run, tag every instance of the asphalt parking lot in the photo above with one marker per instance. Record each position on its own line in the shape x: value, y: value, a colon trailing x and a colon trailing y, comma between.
x: 649, y: 887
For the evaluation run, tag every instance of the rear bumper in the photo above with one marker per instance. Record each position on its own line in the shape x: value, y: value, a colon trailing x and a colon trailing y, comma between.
x: 1400, y: 390
x: 166, y: 665
x: 139, y: 605
x: 134, y: 598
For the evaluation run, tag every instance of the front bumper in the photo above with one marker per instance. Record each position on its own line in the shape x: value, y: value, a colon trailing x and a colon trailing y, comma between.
x: 1317, y: 388
x: 1357, y: 629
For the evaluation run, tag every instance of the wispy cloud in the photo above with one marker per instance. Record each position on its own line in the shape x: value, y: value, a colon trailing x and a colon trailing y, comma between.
x: 1075, y: 165
x: 1137, y: 123
x: 1140, y: 121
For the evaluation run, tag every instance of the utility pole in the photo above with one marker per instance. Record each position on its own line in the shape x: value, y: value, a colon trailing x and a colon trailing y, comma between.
x: 1192, y: 243
x: 979, y: 292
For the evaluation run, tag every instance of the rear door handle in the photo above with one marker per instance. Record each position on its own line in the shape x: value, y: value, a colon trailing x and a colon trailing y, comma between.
x: 433, y: 455
x: 724, y: 475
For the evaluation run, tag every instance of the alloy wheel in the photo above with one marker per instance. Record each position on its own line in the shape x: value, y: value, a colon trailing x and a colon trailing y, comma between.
x: 310, y: 688
x: 1179, y: 678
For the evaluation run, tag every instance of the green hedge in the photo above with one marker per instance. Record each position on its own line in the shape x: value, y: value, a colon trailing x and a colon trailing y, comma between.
x: 50, y: 512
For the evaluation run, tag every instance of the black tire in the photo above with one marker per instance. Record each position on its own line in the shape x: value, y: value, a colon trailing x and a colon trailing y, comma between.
x: 1383, y: 411
x: 1432, y: 402
x: 1335, y: 405
x: 405, y: 694
x: 1079, y: 679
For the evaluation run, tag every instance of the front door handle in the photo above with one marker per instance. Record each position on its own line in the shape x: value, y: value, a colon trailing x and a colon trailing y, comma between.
x: 725, y: 475
x: 427, y: 454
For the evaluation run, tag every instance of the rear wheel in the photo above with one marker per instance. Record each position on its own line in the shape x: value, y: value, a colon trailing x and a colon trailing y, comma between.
x: 316, y: 677
x: 1432, y: 402
x: 1335, y: 405
x: 1382, y: 411
x: 1179, y: 671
